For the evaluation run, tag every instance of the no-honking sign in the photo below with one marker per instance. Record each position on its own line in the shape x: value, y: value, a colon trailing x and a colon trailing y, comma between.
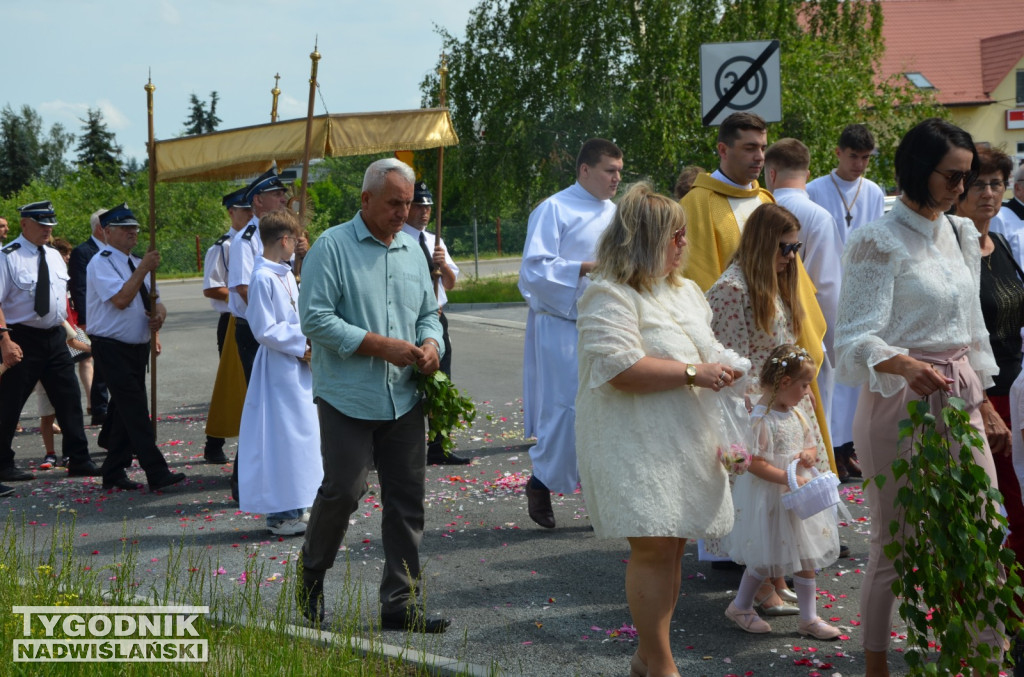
x: 740, y: 76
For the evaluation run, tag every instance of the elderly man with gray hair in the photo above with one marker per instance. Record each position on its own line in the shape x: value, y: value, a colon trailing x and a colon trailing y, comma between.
x: 368, y: 307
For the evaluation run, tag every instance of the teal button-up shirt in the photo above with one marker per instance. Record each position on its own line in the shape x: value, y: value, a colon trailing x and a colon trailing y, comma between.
x: 352, y: 283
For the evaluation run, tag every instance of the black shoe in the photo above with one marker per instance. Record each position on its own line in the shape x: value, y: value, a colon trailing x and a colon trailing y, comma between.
x: 538, y: 501
x: 165, y: 480
x: 6, y: 490
x: 844, y: 551
x: 122, y: 483
x: 98, y: 418
x: 84, y: 469
x: 215, y: 457
x: 65, y: 461
x: 441, y: 458
x: 309, y: 596
x: 13, y: 474
x: 413, y: 620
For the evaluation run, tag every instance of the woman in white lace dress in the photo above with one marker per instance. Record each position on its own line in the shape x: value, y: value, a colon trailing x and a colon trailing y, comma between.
x: 910, y: 325
x: 649, y: 369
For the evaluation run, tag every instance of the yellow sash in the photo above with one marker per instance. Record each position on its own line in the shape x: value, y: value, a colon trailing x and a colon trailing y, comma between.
x: 225, y: 416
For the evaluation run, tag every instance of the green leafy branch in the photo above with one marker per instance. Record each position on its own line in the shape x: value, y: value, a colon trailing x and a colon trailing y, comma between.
x: 445, y: 407
x: 950, y: 561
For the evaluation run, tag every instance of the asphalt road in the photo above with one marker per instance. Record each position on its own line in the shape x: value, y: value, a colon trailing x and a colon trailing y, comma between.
x: 527, y: 600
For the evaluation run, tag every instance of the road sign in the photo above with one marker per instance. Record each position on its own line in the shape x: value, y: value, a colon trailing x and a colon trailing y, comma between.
x: 740, y: 76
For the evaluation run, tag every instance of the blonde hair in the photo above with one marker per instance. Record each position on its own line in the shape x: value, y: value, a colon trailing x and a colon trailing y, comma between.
x: 786, y: 360
x: 759, y: 245
x: 634, y: 247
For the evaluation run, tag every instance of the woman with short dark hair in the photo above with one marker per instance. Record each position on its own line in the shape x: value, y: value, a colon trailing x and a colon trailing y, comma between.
x: 910, y: 326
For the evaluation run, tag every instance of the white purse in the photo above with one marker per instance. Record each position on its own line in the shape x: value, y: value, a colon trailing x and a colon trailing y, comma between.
x: 818, y: 494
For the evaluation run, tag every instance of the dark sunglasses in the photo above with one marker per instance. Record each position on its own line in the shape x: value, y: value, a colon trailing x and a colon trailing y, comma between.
x: 953, y: 178
x: 679, y: 237
x: 787, y: 248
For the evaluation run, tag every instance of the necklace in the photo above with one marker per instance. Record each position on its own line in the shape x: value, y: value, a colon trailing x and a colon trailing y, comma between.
x: 848, y: 207
x: 283, y: 280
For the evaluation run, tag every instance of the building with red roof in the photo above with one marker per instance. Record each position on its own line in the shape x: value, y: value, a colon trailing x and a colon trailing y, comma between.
x: 971, y: 53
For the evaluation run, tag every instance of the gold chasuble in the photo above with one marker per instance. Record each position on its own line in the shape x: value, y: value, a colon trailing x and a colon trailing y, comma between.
x: 713, y: 235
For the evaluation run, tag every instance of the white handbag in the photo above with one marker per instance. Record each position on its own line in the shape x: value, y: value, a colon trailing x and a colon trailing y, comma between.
x: 818, y: 494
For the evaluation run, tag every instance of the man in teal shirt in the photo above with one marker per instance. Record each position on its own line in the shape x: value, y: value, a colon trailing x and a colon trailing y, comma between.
x: 367, y: 305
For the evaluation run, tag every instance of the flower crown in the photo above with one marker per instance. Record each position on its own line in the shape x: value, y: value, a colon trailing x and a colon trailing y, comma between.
x: 799, y: 355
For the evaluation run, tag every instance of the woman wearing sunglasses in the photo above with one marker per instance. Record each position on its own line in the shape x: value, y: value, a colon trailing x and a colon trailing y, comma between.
x: 649, y: 368
x: 756, y: 308
x: 910, y: 326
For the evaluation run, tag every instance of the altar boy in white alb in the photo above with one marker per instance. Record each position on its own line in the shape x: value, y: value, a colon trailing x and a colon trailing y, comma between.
x: 853, y: 200
x: 280, y: 433
x: 561, y: 243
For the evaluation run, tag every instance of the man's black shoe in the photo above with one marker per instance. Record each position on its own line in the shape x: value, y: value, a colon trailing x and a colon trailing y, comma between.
x: 5, y: 490
x: 215, y: 457
x: 84, y: 469
x: 413, y: 620
x: 538, y: 505
x: 13, y: 474
x: 309, y: 596
x: 122, y: 483
x: 165, y: 480
x: 440, y: 458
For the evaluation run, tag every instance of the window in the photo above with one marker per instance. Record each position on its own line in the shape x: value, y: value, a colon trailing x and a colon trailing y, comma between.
x: 1020, y: 88
x: 921, y: 82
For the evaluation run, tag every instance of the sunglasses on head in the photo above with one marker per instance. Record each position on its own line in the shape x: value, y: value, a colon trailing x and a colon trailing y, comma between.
x: 954, y: 177
x: 787, y: 248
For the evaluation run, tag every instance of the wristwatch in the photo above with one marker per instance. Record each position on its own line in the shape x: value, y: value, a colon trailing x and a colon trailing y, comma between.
x: 691, y: 375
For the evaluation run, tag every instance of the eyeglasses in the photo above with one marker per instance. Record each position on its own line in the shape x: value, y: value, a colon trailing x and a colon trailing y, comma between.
x: 787, y: 248
x: 954, y: 177
x: 996, y: 186
x: 679, y: 237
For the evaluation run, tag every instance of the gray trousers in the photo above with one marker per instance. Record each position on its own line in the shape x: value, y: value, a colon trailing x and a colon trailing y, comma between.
x: 350, y: 448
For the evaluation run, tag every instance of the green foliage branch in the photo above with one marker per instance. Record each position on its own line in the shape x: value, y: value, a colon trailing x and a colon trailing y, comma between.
x: 446, y: 408
x: 950, y: 560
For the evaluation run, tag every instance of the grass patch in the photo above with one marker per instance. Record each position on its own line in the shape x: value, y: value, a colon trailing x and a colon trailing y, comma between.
x: 245, y: 629
x: 499, y: 289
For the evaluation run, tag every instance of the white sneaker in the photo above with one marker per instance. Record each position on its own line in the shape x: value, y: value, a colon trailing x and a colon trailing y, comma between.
x: 305, y: 517
x: 293, y: 527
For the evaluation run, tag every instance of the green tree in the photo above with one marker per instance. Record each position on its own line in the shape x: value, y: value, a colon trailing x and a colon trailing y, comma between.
x: 525, y: 92
x: 97, y: 147
x: 200, y: 120
x: 26, y: 154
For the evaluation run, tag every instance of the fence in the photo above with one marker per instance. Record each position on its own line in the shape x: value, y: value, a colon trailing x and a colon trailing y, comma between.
x: 178, y: 256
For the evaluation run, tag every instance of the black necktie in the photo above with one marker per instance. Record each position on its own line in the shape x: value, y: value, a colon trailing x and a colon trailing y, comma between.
x: 431, y: 266
x: 142, y: 289
x: 42, y: 305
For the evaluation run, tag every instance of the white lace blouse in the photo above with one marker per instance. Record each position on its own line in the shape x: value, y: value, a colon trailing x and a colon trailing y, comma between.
x: 909, y: 285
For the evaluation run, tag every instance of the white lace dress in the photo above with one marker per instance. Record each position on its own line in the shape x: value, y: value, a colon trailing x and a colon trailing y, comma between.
x: 767, y: 537
x: 647, y: 461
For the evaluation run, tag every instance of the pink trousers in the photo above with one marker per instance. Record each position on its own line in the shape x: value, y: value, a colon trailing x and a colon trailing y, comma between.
x: 875, y: 431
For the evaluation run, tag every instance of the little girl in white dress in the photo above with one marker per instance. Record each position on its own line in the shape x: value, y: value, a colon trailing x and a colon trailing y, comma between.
x: 769, y: 539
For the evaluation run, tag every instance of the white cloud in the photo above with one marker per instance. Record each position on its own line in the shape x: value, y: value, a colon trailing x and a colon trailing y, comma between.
x: 114, y: 118
x: 68, y: 114
x: 169, y: 13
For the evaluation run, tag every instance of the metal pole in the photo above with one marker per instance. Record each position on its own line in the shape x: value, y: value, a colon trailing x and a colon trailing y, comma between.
x: 150, y: 88
x: 315, y: 58
x: 476, y: 248
x: 275, y: 92
x: 443, y: 73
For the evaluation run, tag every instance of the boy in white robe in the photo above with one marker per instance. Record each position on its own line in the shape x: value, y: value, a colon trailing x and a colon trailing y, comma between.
x: 280, y: 433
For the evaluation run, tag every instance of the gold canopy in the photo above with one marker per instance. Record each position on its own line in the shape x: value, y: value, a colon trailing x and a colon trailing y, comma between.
x: 248, y: 151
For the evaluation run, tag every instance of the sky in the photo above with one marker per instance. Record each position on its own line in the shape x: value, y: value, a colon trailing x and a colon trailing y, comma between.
x: 63, y: 57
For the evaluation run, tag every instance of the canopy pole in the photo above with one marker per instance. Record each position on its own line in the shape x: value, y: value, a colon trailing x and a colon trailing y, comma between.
x: 315, y: 58
x: 275, y: 92
x: 443, y: 73
x: 151, y: 147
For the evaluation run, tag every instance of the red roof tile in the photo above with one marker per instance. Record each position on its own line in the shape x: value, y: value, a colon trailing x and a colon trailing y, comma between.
x: 964, y: 47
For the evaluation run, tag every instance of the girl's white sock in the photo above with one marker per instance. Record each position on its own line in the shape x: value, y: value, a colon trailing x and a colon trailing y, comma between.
x: 806, y: 598
x: 749, y: 584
